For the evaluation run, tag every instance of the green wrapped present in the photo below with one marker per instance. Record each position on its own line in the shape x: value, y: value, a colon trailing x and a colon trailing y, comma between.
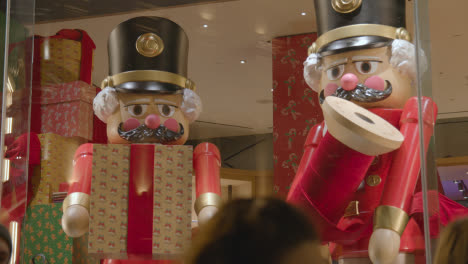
x: 42, y: 234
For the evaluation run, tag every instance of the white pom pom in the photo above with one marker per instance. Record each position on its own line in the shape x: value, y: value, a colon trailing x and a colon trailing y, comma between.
x: 312, y: 71
x: 404, y: 58
x: 191, y: 105
x: 105, y: 103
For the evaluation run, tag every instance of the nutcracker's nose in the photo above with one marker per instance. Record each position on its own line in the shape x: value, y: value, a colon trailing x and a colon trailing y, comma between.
x: 349, y: 81
x: 152, y: 121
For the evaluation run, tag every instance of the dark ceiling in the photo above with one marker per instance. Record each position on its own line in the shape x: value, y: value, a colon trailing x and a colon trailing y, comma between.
x: 53, y: 10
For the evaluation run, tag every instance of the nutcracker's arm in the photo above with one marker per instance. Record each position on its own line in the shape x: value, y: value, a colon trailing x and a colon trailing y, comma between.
x: 313, y: 139
x: 391, y: 217
x: 206, y: 164
x: 399, y: 188
x: 76, y: 205
x: 328, y: 175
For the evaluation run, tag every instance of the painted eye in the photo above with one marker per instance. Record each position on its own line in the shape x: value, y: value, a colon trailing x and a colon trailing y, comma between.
x: 166, y: 110
x: 335, y: 72
x: 366, y: 67
x: 137, y: 110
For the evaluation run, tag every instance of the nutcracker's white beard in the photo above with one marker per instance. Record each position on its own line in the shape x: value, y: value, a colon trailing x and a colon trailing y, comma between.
x: 403, y: 58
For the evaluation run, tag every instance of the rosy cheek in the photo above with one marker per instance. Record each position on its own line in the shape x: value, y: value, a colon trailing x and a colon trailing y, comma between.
x: 172, y: 124
x: 130, y: 124
x: 375, y: 82
x: 330, y: 89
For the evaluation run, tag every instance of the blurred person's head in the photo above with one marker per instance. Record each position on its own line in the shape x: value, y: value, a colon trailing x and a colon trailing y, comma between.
x: 256, y: 231
x: 453, y: 243
x: 5, y: 245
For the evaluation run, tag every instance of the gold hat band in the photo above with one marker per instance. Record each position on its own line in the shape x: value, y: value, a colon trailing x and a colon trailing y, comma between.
x: 360, y: 30
x: 148, y: 76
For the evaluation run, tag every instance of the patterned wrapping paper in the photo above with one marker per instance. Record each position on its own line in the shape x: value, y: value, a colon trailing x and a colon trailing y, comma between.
x: 66, y: 109
x: 295, y: 107
x: 56, y: 165
x: 109, y: 201
x: 60, y: 61
x: 172, y: 212
x: 42, y: 234
x: 80, y: 252
x: 65, y: 92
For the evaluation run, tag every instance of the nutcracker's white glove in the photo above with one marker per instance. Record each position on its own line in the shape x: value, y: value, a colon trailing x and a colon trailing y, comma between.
x: 384, y: 246
x: 75, y: 220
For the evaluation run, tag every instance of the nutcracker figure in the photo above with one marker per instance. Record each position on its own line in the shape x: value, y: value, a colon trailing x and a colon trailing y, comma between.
x: 359, y: 171
x: 147, y: 100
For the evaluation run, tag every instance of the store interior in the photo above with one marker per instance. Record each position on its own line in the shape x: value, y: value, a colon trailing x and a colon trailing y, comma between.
x: 232, y: 58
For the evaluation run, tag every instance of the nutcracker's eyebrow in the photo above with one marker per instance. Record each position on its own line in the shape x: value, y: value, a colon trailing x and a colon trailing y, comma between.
x: 365, y: 58
x: 138, y: 101
x: 338, y: 62
x: 162, y: 101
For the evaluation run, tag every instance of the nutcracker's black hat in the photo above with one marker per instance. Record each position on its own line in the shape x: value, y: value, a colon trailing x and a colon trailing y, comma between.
x: 148, y: 55
x: 344, y: 25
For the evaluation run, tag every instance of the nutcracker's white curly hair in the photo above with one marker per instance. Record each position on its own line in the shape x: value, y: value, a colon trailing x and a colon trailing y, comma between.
x: 106, y: 103
x: 403, y: 58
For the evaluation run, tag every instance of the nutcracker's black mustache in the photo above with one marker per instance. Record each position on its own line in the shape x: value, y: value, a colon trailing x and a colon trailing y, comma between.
x: 144, y: 134
x: 362, y: 94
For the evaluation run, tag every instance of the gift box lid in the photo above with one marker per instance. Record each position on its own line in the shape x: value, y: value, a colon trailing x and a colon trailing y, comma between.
x: 67, y: 92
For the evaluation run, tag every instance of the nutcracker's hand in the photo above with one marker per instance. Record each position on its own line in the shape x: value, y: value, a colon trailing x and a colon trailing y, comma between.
x: 75, y: 220
x: 384, y: 246
x: 206, y: 213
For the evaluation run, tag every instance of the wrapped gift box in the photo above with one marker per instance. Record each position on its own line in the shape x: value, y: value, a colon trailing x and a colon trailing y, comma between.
x: 60, y: 60
x: 43, y: 234
x: 168, y: 171
x: 67, y: 110
x: 56, y: 166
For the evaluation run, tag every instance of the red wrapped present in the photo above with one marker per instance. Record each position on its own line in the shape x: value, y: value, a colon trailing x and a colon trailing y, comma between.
x: 66, y: 109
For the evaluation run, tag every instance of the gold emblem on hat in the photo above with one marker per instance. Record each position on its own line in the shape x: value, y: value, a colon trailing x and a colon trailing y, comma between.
x: 345, y: 6
x: 149, y: 45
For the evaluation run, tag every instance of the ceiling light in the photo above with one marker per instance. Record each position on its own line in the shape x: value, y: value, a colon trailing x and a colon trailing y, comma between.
x: 303, y: 13
x: 243, y: 61
x: 205, y: 25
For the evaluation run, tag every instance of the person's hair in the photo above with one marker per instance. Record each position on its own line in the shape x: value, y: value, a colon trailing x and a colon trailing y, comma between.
x: 403, y: 58
x: 453, y: 244
x: 251, y: 231
x: 106, y: 103
x: 5, y: 236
